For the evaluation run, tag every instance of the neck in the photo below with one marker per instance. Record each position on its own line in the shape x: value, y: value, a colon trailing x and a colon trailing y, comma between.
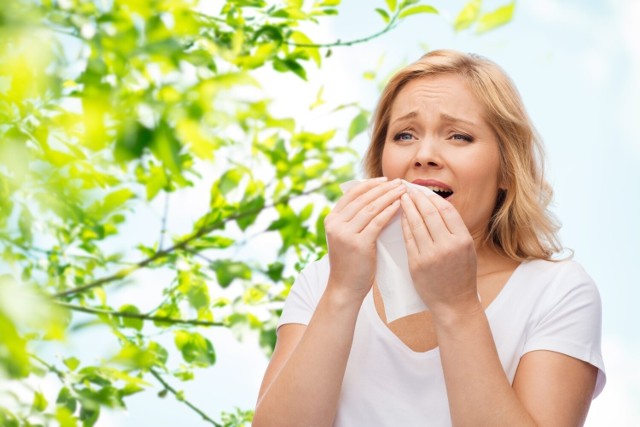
x: 490, y: 259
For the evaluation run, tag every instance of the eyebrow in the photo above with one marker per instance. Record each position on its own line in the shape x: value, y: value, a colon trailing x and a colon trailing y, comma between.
x: 408, y: 116
x: 445, y: 117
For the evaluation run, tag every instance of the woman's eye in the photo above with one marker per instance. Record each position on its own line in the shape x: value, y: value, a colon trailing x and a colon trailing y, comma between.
x: 403, y: 136
x: 462, y: 137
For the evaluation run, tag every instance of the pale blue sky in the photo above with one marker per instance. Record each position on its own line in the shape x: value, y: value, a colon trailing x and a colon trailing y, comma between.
x: 577, y: 66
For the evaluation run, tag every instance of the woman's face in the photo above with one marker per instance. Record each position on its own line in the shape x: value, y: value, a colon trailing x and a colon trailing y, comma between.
x: 437, y: 137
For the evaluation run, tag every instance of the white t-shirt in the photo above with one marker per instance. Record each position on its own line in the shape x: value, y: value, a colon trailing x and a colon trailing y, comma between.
x: 543, y: 306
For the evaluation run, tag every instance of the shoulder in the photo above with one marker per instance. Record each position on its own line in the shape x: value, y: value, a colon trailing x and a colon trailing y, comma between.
x: 314, y: 275
x: 545, y: 290
x: 305, y: 293
x: 560, y: 293
x: 559, y: 276
x: 565, y: 312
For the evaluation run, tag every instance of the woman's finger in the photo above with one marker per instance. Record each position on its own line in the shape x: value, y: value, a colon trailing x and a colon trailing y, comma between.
x: 415, y: 222
x: 431, y: 214
x: 357, y: 191
x: 450, y: 216
x: 375, y: 226
x: 409, y: 238
x: 367, y: 199
x: 376, y: 204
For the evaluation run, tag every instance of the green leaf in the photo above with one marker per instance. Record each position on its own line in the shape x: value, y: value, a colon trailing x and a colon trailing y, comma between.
x: 212, y: 242
x: 383, y: 13
x: 39, y: 402
x: 89, y: 415
x: 270, y: 32
x: 406, y: 3
x: 132, y: 141
x: 116, y: 199
x: 294, y: 3
x: 230, y: 180
x: 417, y: 9
x: 166, y: 147
x: 358, y: 125
x: 72, y: 363
x: 274, y: 271
x: 198, y: 295
x: 25, y: 224
x: 65, y: 417
x: 496, y: 18
x: 128, y: 322
x: 195, y: 349
x: 391, y: 4
x: 319, y: 100
x: 313, y: 52
x: 227, y: 271
x: 66, y: 400
x: 268, y: 339
x: 252, y: 209
x: 468, y: 15
x: 288, y: 64
x: 170, y: 311
x: 255, y: 294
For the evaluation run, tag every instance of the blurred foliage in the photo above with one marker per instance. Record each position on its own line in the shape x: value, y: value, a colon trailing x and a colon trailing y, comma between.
x: 110, y: 107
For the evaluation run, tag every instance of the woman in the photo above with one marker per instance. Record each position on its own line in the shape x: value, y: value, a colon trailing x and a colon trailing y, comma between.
x: 511, y: 336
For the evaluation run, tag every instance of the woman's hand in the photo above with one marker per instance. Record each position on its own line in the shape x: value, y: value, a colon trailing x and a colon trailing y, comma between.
x: 442, y: 257
x: 352, y: 229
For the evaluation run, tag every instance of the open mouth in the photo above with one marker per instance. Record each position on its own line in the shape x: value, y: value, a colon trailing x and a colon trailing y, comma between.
x: 441, y: 192
x: 437, y: 187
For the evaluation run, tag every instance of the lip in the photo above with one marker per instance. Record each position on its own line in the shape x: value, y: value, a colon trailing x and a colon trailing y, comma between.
x: 434, y: 183
x: 431, y: 183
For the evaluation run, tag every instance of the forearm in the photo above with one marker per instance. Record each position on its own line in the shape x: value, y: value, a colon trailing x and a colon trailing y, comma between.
x: 306, y: 391
x: 478, y: 389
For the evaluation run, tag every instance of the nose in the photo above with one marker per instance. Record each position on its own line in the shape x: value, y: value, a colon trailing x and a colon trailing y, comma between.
x: 427, y: 155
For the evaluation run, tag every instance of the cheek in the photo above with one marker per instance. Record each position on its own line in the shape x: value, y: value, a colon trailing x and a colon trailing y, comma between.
x: 393, y: 163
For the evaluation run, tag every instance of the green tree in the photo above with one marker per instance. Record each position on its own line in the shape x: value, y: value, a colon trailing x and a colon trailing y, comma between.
x: 110, y: 106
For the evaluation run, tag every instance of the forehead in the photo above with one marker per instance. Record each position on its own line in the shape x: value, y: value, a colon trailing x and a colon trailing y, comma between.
x: 448, y: 94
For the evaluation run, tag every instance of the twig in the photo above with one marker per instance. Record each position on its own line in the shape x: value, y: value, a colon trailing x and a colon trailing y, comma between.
x: 181, y: 398
x: 338, y: 43
x: 180, y: 245
x: 140, y: 316
x: 391, y: 25
x: 163, y: 229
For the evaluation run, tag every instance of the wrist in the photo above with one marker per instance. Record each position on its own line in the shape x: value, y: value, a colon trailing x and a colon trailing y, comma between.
x: 454, y: 315
x: 345, y: 296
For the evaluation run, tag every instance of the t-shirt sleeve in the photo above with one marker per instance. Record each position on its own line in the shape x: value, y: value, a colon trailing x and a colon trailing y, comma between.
x: 305, y: 294
x: 571, y: 321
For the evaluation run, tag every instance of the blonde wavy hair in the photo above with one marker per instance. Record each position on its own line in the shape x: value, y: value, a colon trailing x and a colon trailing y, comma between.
x: 521, y: 226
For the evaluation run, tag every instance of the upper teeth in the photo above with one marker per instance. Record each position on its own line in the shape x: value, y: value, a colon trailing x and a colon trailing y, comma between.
x: 439, y: 189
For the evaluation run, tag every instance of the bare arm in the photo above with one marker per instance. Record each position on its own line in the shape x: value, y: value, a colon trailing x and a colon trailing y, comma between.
x: 302, y: 383
x: 550, y: 389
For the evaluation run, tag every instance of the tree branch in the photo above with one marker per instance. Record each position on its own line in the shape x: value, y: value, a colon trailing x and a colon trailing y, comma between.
x: 181, y: 245
x: 338, y: 43
x: 181, y: 398
x: 140, y: 316
x: 165, y: 214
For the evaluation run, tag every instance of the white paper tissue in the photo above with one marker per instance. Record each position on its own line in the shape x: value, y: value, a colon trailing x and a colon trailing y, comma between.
x: 392, y: 273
